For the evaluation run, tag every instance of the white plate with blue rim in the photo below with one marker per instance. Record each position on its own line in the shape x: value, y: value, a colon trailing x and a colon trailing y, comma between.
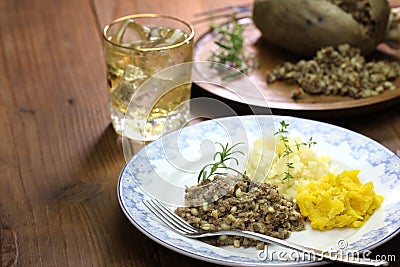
x: 166, y: 166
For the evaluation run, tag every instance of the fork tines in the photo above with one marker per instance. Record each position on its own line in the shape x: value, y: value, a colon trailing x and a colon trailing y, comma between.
x: 224, y: 12
x: 169, y: 217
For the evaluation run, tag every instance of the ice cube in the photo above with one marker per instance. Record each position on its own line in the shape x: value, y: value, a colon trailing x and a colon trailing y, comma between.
x: 134, y: 73
x: 131, y: 80
x: 131, y: 34
x: 173, y: 36
x: 160, y: 37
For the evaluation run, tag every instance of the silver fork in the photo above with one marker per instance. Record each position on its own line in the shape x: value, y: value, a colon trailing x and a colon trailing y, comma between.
x: 223, y: 12
x: 178, y: 225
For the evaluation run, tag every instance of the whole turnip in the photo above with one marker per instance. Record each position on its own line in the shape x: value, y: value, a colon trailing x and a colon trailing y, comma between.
x: 305, y: 26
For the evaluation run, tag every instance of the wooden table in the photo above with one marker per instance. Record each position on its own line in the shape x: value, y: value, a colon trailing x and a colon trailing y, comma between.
x: 60, y: 158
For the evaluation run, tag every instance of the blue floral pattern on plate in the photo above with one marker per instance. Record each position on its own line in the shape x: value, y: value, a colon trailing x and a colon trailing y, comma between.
x: 346, y: 148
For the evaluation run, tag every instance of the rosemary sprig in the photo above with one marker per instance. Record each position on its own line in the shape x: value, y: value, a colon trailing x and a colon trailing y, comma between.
x: 288, y: 150
x: 230, y: 49
x: 220, y: 158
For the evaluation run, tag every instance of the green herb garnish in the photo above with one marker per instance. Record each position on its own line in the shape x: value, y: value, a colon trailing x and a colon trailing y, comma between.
x: 282, y: 131
x: 220, y: 159
x: 230, y: 49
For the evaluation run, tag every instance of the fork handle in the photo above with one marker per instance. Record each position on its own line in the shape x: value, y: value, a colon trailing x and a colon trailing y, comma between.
x: 310, y: 252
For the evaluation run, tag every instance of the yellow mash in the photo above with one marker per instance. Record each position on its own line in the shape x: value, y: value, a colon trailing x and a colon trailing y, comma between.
x: 338, y: 201
x: 308, y: 166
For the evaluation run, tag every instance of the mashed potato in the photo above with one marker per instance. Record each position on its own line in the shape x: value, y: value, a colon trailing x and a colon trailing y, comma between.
x: 338, y: 201
x: 264, y: 164
x: 328, y: 200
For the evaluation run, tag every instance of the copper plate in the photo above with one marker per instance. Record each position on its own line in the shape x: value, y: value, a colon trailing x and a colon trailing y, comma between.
x: 279, y: 94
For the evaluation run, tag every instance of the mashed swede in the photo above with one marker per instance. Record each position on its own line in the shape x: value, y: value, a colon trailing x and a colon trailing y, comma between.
x: 338, y: 201
x: 328, y: 200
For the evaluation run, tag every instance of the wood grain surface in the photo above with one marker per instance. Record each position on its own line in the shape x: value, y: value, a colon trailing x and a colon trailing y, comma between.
x: 60, y: 158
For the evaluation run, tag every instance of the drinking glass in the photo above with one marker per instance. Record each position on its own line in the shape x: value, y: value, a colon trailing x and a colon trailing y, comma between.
x: 136, y: 48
